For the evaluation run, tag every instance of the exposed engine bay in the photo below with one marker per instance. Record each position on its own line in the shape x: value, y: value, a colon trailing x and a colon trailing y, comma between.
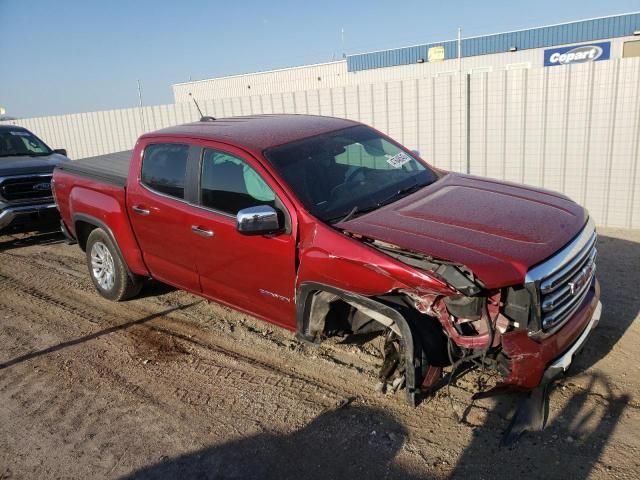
x: 475, y: 319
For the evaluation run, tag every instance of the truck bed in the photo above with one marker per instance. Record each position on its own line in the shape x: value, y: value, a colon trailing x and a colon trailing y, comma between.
x: 110, y: 168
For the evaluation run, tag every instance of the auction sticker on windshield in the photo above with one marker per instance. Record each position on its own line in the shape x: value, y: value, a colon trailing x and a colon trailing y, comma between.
x: 398, y: 160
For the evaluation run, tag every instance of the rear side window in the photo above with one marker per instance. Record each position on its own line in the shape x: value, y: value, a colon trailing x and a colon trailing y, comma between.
x: 164, y: 168
x: 230, y: 184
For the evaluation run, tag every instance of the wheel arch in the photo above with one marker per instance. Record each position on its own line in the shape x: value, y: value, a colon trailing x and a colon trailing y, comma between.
x: 84, y: 224
x: 304, y: 305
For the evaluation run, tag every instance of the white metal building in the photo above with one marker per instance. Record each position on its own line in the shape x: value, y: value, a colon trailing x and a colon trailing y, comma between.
x: 616, y: 36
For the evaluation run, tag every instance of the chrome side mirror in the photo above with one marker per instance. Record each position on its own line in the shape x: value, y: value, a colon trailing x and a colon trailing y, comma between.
x: 260, y: 220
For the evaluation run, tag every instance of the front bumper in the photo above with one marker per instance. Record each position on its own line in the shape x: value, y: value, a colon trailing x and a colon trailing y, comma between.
x: 534, y: 362
x: 9, y: 214
x: 562, y: 364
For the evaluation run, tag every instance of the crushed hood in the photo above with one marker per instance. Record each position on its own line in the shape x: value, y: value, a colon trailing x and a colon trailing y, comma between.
x: 498, y: 230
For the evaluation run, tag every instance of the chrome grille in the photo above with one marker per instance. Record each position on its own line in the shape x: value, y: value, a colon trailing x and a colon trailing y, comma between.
x: 25, y: 187
x: 563, y: 281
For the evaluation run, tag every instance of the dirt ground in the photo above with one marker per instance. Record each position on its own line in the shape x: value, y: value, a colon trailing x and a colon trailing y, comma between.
x: 171, y: 385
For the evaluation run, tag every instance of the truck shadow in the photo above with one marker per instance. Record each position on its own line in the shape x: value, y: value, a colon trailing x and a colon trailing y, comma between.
x: 569, y: 447
x: 341, y: 444
x: 155, y: 288
x: 337, y: 444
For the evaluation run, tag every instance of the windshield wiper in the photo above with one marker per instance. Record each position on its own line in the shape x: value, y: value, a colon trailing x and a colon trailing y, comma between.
x: 353, y: 212
x: 349, y: 215
x: 401, y: 193
x: 398, y: 193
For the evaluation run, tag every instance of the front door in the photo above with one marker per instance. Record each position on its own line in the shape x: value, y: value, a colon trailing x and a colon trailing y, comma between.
x: 252, y: 273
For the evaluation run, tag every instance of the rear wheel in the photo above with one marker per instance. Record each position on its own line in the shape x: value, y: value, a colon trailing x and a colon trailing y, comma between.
x: 107, y: 269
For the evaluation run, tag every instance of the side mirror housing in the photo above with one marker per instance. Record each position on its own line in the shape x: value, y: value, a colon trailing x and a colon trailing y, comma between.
x: 61, y: 151
x: 259, y: 220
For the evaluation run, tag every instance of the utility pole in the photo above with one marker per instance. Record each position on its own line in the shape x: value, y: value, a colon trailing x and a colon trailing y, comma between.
x: 140, y: 105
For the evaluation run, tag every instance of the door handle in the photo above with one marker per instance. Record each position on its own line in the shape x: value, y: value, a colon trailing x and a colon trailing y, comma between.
x: 201, y: 231
x: 140, y: 210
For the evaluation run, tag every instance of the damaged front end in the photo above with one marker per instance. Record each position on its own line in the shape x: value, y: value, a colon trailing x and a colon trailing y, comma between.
x: 438, y: 318
x: 472, y: 319
x: 528, y: 333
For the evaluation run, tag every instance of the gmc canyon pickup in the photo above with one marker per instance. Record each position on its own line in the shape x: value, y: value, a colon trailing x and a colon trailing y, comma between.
x: 325, y: 227
x: 26, y: 168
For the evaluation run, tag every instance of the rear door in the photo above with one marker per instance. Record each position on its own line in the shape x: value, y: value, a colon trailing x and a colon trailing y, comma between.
x: 253, y: 273
x: 158, y: 205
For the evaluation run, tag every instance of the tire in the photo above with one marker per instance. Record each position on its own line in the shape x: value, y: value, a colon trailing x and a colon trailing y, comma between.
x: 429, y: 340
x: 107, y: 269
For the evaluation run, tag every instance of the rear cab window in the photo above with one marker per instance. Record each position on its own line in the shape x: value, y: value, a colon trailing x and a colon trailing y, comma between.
x: 164, y: 168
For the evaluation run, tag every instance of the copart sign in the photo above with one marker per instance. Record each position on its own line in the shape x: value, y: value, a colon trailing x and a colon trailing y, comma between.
x: 577, y: 54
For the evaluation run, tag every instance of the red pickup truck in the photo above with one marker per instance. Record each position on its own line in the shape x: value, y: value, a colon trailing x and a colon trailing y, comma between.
x: 325, y: 226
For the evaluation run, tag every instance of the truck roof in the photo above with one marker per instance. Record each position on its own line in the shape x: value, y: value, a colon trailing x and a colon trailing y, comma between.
x: 257, y: 132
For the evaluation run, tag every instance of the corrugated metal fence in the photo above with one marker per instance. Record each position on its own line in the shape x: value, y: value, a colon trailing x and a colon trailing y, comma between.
x: 574, y: 129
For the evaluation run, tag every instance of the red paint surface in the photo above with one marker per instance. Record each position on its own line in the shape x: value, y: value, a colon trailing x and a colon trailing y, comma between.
x: 101, y: 201
x: 497, y: 230
x: 257, y: 133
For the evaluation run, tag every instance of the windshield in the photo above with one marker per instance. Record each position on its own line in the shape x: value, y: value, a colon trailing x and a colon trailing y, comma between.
x: 341, y: 174
x: 14, y: 143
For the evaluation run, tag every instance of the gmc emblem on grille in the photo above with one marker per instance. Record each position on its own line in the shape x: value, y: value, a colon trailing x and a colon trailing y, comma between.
x: 42, y: 186
x: 576, y: 284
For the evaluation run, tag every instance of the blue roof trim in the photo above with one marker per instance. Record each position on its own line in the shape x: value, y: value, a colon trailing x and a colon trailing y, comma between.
x: 575, y: 32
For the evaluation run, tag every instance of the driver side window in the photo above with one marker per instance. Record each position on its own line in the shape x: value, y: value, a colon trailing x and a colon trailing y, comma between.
x: 228, y: 184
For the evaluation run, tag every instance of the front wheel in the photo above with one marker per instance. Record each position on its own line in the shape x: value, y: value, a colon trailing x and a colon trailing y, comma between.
x: 107, y: 269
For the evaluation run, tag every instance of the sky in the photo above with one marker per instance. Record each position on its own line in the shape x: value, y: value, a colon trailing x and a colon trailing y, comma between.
x: 68, y: 56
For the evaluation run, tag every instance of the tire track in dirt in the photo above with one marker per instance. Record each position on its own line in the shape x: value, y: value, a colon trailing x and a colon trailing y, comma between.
x: 61, y: 265
x: 186, y: 395
x: 21, y: 288
x: 69, y: 411
x: 42, y: 270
